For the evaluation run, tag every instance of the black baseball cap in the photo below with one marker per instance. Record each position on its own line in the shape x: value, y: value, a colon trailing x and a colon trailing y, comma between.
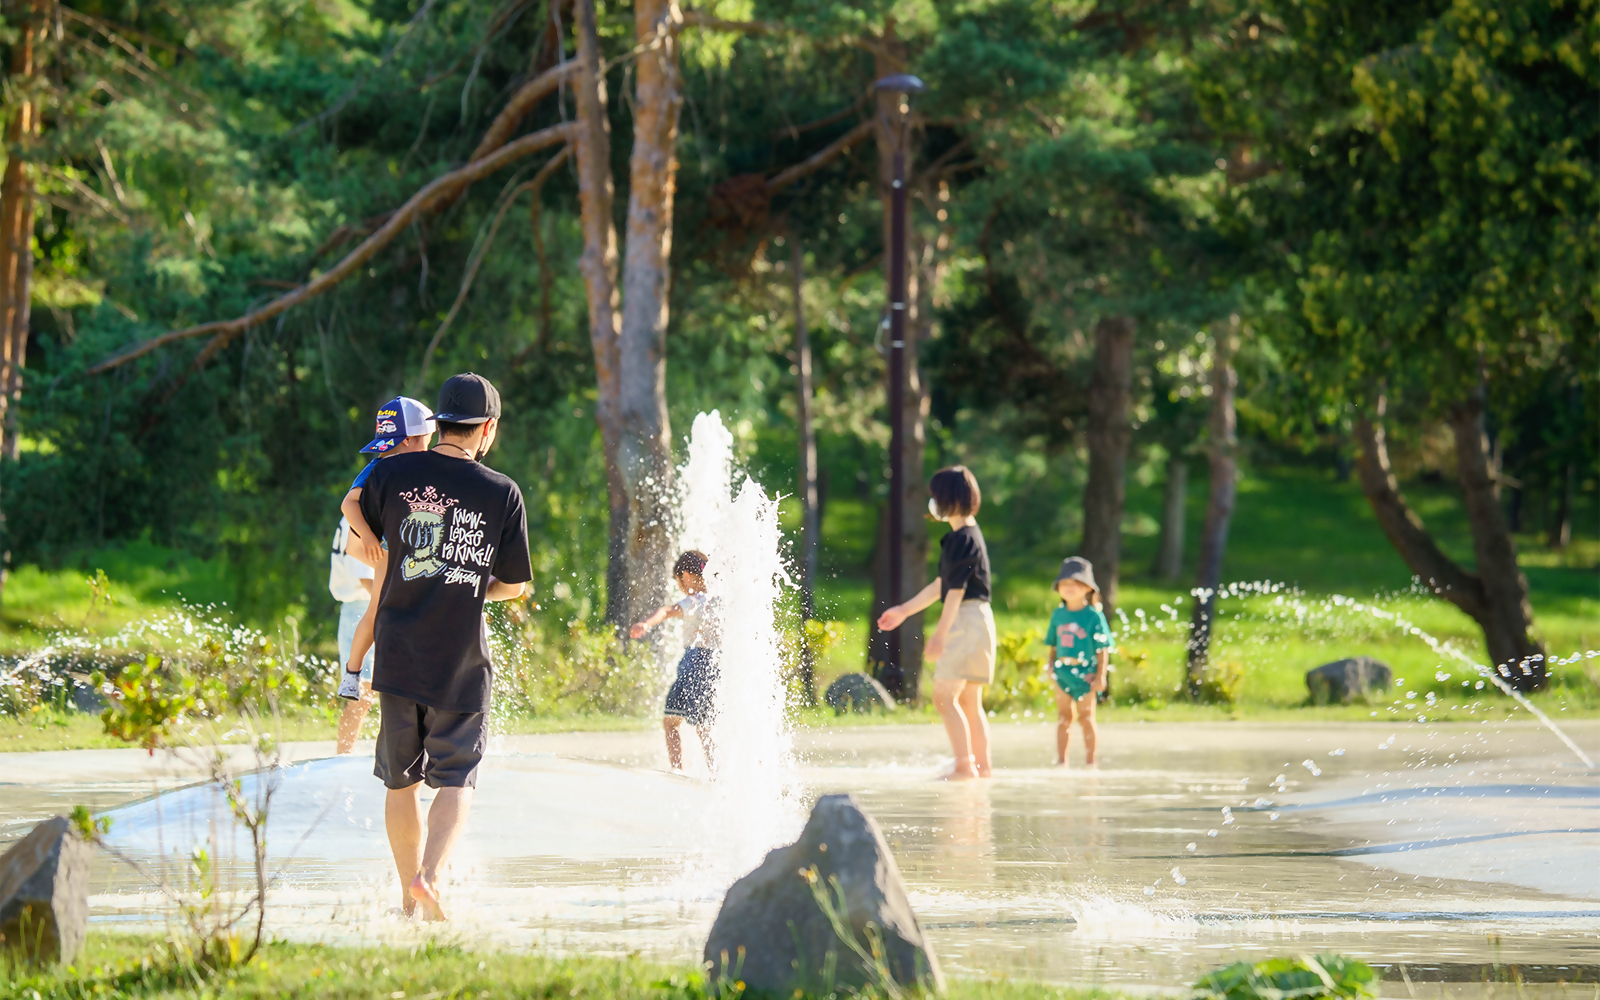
x: 467, y: 399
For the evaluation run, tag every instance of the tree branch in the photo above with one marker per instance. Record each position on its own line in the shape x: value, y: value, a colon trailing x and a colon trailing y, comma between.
x: 522, y: 102
x: 793, y: 131
x: 697, y: 19
x: 816, y: 161
x: 440, y: 189
x: 482, y: 251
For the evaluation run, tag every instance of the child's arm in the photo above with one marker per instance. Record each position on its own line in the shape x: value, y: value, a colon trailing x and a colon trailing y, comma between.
x: 947, y: 618
x: 657, y: 616
x: 894, y: 617
x: 1102, y: 662
x: 362, y: 545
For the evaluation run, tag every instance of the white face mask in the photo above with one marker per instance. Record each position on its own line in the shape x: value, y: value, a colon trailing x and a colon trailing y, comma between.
x: 933, y: 510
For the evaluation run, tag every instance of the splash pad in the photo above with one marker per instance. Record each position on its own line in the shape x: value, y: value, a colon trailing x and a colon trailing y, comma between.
x: 1447, y: 848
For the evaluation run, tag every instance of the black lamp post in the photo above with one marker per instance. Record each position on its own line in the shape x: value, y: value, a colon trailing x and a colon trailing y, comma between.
x: 905, y: 86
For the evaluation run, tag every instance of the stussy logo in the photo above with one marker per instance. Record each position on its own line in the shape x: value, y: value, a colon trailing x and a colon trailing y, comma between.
x: 423, y: 530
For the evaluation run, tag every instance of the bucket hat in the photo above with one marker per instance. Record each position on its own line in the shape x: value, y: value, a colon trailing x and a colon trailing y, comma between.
x: 1079, y: 569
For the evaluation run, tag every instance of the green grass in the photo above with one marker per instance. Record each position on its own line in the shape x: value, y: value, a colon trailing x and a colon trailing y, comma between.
x: 1292, y: 526
x: 144, y: 579
x: 1295, y: 526
x: 137, y: 968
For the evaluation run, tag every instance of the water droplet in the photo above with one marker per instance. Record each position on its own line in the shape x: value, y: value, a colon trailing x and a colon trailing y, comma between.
x: 1211, y: 833
x: 1336, y: 753
x: 1272, y: 815
x: 1190, y: 846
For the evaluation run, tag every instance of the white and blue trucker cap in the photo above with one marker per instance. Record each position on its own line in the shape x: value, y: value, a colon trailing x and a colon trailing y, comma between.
x: 398, y: 419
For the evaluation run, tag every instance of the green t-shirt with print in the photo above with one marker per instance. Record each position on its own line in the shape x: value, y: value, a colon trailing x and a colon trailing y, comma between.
x: 1078, y: 635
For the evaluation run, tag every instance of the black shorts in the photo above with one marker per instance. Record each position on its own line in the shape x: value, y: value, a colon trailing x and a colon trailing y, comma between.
x: 418, y: 743
x: 693, y: 695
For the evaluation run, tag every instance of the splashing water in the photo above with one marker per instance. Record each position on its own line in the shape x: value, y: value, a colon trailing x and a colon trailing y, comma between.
x: 1490, y: 675
x: 756, y: 786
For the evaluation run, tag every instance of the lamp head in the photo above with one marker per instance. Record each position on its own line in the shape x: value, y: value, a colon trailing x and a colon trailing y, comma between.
x: 900, y: 83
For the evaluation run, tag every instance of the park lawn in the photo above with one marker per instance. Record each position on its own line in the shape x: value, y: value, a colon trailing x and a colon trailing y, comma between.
x: 1298, y: 528
x: 141, y: 580
x: 137, y: 968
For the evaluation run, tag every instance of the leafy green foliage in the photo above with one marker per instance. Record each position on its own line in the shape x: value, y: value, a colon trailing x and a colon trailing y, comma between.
x: 1300, y: 978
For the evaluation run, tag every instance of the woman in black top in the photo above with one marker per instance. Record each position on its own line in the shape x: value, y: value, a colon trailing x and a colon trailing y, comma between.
x: 962, y: 646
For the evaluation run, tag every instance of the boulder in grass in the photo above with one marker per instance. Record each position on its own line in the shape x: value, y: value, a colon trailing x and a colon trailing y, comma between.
x: 857, y: 693
x: 44, y: 893
x: 1344, y: 681
x: 773, y: 934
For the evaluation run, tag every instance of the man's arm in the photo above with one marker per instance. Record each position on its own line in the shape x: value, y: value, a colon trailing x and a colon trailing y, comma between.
x: 499, y: 590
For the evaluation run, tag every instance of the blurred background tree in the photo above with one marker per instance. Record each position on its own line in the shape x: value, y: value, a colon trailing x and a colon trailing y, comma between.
x: 1397, y: 204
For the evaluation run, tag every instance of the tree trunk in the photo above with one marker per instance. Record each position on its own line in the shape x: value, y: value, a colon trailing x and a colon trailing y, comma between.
x: 1560, y: 529
x: 810, y: 510
x: 1169, y: 557
x: 646, y: 446
x: 16, y: 242
x: 1219, y: 508
x: 1406, y: 532
x: 599, y: 268
x: 1509, y: 616
x: 890, y: 58
x: 1109, y: 433
x: 1505, y: 629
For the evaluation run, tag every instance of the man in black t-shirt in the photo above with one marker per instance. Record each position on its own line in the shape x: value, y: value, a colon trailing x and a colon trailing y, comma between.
x: 457, y: 535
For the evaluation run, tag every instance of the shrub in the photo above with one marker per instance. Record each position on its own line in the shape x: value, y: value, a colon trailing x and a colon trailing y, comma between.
x: 1220, y: 682
x: 1022, y: 677
x: 545, y: 667
x: 1302, y: 978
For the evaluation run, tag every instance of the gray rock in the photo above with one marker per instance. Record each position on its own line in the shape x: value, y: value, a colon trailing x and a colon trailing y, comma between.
x: 857, y: 693
x: 774, y: 935
x: 1347, y: 680
x: 44, y: 893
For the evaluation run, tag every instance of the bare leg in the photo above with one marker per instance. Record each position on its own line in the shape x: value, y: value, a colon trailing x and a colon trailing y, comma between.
x: 971, y: 703
x: 1064, y: 715
x: 946, y: 698
x: 402, y: 817
x: 674, y: 741
x: 351, y: 718
x: 704, y: 734
x: 446, y: 819
x: 1086, y: 720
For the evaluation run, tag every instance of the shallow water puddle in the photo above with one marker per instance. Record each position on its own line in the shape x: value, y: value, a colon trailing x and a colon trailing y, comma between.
x: 1448, y: 849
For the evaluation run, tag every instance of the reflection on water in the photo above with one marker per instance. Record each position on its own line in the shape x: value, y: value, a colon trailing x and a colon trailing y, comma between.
x: 1446, y: 850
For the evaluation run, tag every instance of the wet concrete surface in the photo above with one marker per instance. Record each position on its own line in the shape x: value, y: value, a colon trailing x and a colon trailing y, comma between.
x: 1448, y: 853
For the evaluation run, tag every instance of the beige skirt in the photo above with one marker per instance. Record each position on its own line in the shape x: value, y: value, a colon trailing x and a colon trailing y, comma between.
x: 969, y: 648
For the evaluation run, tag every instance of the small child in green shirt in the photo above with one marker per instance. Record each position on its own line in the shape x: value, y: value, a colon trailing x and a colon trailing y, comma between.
x: 1080, y: 640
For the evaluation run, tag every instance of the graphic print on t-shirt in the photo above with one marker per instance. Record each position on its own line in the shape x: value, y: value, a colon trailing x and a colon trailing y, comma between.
x: 423, y: 530
x: 1068, y: 635
x: 445, y: 538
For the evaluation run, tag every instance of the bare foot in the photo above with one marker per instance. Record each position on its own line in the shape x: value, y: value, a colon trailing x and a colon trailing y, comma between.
x: 1062, y: 763
x: 1090, y: 763
x: 958, y: 775
x: 427, y: 897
